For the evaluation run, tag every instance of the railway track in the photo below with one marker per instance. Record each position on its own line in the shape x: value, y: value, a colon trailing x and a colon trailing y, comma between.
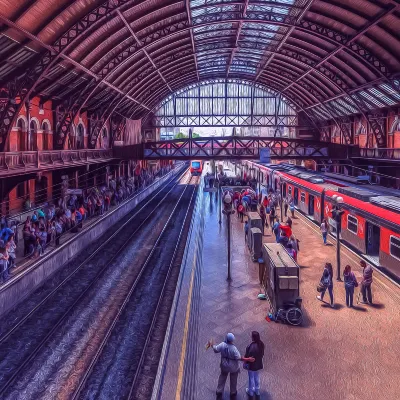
x: 30, y: 335
x: 125, y: 364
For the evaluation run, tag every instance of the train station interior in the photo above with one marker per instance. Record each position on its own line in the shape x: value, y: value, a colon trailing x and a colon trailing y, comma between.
x: 199, y: 199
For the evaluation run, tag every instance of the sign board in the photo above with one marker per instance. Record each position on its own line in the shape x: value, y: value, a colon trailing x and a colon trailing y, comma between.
x: 265, y: 155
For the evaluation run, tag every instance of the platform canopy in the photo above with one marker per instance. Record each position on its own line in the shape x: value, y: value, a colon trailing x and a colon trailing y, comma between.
x: 330, y: 58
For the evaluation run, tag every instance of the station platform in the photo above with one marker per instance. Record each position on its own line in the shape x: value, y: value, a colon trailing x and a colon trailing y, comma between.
x: 338, y: 353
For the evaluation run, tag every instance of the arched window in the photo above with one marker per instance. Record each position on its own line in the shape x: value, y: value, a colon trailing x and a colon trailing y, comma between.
x: 395, y: 126
x: 80, y: 137
x: 46, y: 134
x: 21, y: 124
x: 33, y: 128
x: 104, y: 138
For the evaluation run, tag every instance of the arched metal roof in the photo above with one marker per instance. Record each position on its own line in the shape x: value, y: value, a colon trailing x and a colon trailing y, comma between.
x: 330, y: 57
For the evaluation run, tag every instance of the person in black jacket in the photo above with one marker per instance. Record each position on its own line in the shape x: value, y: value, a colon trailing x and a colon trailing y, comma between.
x: 255, y: 350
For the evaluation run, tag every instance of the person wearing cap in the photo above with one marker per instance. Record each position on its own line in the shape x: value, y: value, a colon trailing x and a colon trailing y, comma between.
x: 230, y: 357
x: 366, y: 282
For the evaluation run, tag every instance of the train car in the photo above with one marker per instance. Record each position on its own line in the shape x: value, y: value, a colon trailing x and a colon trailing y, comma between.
x: 196, y: 167
x: 371, y: 219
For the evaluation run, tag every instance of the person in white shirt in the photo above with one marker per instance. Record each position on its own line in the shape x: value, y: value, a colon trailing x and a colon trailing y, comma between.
x: 324, y: 228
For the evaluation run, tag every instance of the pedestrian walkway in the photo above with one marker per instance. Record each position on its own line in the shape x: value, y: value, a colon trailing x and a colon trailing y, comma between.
x: 338, y: 353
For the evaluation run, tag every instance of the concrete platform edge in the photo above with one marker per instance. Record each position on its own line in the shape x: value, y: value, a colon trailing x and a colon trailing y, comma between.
x: 170, y: 372
x: 20, y: 286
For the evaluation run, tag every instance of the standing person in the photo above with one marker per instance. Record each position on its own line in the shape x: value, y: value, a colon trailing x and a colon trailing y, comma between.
x: 230, y: 358
x: 4, y: 264
x: 263, y: 217
x: 324, y: 230
x: 272, y: 216
x: 291, y: 207
x: 246, y: 230
x: 255, y: 350
x: 289, y: 222
x: 366, y: 282
x: 240, y: 212
x: 286, y: 205
x: 350, y: 282
x: 275, y: 229
x: 327, y: 283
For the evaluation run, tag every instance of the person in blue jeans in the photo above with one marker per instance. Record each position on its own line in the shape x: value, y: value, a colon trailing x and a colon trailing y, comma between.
x: 254, y: 350
x: 350, y: 282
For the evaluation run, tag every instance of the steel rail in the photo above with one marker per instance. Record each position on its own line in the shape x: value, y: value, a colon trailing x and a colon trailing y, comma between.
x: 104, y: 342
x: 156, y: 315
x: 96, y: 278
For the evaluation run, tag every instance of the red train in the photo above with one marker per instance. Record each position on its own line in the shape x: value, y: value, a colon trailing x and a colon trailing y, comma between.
x: 371, y: 218
x: 196, y: 167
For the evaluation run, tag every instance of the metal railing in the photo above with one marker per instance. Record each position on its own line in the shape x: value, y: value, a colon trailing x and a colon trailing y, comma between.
x: 387, y: 154
x: 50, y: 158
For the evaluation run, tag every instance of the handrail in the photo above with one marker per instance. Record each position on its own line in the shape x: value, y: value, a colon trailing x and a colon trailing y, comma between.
x: 382, y: 153
x: 34, y: 159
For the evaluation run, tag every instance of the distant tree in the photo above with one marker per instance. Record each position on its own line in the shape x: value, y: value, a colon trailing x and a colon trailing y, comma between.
x: 195, y: 135
x: 180, y: 135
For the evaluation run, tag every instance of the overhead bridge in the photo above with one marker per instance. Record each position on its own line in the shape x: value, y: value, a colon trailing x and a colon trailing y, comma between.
x: 221, y: 148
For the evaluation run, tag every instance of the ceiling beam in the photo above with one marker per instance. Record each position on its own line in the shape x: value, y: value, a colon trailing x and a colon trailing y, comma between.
x: 138, y: 41
x: 188, y: 12
x: 286, y: 37
x: 238, y: 32
x: 36, y: 40
x: 364, y: 30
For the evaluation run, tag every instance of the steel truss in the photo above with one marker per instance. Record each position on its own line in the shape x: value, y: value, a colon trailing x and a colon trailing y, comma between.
x: 242, y: 148
x: 21, y: 87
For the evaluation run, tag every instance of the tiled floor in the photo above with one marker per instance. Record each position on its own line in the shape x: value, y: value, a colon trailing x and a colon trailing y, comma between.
x: 337, y: 354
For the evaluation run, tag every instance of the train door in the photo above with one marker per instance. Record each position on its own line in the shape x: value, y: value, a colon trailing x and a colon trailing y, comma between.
x: 284, y: 190
x: 372, y: 238
x: 296, y: 196
x: 311, y: 205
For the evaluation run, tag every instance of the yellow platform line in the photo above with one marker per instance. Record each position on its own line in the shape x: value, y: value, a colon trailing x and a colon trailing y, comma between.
x: 185, y: 336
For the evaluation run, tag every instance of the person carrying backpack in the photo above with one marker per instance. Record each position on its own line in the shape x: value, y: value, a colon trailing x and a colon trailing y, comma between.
x: 326, y: 283
x: 350, y: 282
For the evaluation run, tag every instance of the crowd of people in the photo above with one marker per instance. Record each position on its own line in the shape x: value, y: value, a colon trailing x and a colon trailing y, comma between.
x: 49, y: 222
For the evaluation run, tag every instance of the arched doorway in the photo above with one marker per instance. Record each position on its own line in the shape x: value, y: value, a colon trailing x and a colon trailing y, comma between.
x: 80, y: 133
x: 46, y: 134
x: 21, y: 125
x: 104, y: 138
x: 32, y: 134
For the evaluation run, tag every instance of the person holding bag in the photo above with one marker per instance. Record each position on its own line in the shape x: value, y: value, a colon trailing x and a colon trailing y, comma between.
x: 350, y: 282
x: 254, y: 350
x: 326, y: 282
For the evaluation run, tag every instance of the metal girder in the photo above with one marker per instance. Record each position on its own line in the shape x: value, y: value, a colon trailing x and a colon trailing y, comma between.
x: 376, y: 120
x: 238, y: 32
x: 25, y: 85
x: 286, y: 37
x: 350, y: 42
x: 118, y: 125
x: 211, y: 19
x: 234, y: 147
x: 187, y: 6
x: 71, y: 109
x: 125, y: 22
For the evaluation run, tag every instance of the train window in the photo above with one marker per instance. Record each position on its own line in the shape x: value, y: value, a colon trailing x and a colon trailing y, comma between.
x: 302, y: 197
x: 395, y: 247
x: 352, y: 224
